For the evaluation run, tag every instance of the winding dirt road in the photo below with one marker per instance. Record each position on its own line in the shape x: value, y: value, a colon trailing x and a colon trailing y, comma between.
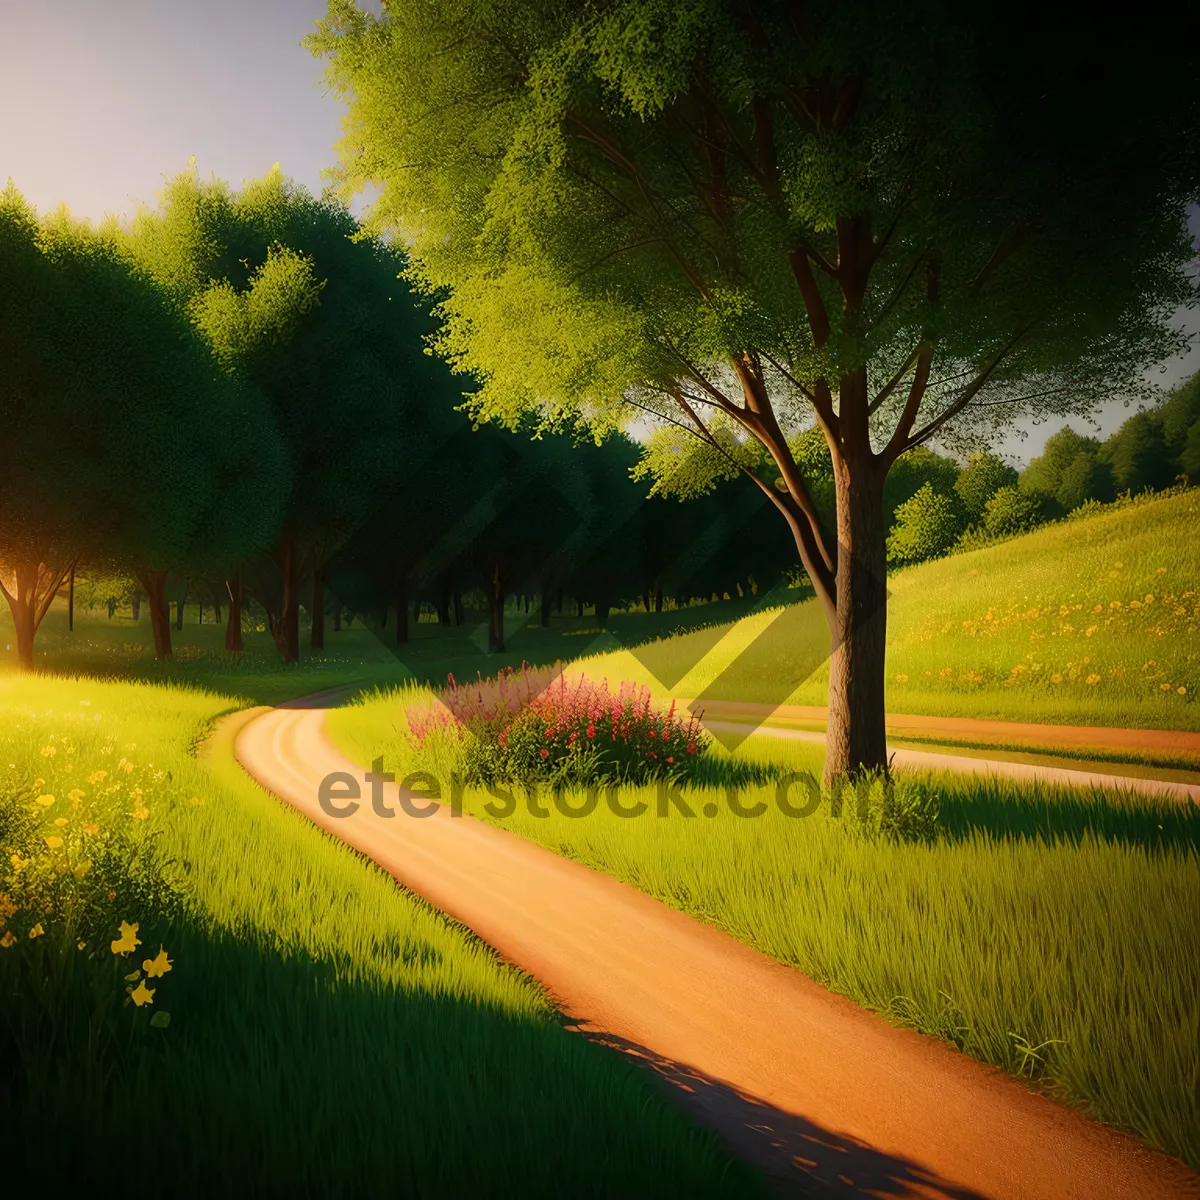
x: 822, y: 1095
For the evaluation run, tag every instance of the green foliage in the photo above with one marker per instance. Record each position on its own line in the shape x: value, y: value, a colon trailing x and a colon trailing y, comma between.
x: 610, y: 204
x: 1013, y: 510
x: 1137, y: 455
x: 1069, y: 472
x: 982, y: 477
x: 926, y: 525
x: 131, y: 445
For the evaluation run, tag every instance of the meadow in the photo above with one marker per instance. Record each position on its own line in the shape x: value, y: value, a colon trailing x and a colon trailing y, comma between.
x: 178, y: 1013
x: 1051, y: 933
x: 1088, y: 621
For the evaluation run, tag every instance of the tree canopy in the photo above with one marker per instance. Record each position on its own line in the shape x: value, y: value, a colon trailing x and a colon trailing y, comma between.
x: 750, y: 219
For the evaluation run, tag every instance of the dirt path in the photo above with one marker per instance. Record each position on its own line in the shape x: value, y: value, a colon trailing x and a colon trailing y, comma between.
x: 1094, y: 739
x: 929, y: 760
x: 826, y: 1097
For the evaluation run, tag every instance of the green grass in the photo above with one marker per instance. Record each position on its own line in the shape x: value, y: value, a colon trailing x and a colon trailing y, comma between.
x: 1009, y: 632
x: 330, y: 1034
x: 1052, y: 933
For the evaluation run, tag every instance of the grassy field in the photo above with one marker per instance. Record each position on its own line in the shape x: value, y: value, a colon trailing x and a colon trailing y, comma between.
x: 328, y: 1033
x: 1093, y: 621
x: 1051, y: 933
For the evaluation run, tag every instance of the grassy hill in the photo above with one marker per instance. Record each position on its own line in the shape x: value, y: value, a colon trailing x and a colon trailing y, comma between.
x: 1094, y: 620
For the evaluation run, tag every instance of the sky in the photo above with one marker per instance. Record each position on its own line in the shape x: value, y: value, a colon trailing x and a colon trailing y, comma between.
x: 101, y: 99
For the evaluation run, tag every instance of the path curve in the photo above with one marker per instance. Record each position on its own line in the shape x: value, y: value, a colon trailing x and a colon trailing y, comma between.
x: 821, y: 1094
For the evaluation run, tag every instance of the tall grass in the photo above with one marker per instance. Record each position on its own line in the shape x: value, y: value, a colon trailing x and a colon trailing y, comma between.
x: 329, y: 1034
x: 1051, y: 933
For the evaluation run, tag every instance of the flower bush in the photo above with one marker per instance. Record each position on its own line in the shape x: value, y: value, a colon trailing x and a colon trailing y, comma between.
x: 539, y: 725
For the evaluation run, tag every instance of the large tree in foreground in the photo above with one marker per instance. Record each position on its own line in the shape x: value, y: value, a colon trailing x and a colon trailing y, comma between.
x: 754, y: 216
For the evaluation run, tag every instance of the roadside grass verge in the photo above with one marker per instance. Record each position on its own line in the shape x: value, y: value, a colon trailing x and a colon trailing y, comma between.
x: 1050, y: 932
x: 1094, y: 621
x: 329, y: 1033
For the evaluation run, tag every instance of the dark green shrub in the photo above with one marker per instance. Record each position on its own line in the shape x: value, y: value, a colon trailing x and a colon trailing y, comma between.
x: 1013, y: 510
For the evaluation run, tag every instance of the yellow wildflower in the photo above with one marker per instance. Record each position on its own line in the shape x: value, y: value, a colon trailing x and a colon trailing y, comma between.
x: 1114, y: 604
x: 88, y: 827
x: 49, y: 751
x: 1166, y: 687
x: 158, y: 966
x: 1098, y: 608
x: 7, y: 907
x: 899, y: 679
x: 260, y: 628
x: 142, y: 995
x: 81, y: 945
x: 1090, y: 630
x: 1149, y: 597
x: 1093, y: 679
x: 60, y: 821
x: 82, y: 868
x: 140, y: 812
x: 1056, y: 678
x: 45, y: 801
x: 128, y: 938
x: 97, y: 777
x: 947, y: 671
x: 36, y: 931
x: 75, y: 795
x: 198, y: 802
x: 125, y: 765
x: 1182, y: 691
x: 1161, y: 571
x: 19, y: 863
x: 9, y: 939
x: 54, y: 843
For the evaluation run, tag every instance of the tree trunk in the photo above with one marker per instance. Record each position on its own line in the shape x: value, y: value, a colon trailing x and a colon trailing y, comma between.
x: 154, y: 585
x: 856, y: 740
x: 286, y: 628
x: 179, y: 610
x: 443, y: 604
x: 112, y: 607
x: 496, y: 612
x: 579, y: 608
x: 602, y: 609
x: 402, y: 611
x: 216, y: 606
x: 658, y: 598
x: 317, y: 640
x: 233, y: 626
x: 71, y: 602
x: 135, y: 605
x: 544, y: 606
x: 337, y: 618
x: 459, y: 615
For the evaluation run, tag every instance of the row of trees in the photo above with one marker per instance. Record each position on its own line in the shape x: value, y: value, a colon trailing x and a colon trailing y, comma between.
x: 231, y: 394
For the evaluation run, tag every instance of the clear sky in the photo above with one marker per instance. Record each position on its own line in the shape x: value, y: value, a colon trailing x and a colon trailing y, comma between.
x: 100, y: 99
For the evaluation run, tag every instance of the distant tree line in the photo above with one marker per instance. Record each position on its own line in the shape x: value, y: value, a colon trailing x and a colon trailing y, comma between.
x: 1152, y: 450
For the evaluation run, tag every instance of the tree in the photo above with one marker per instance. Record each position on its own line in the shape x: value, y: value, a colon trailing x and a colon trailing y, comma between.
x: 1013, y: 510
x: 1069, y: 472
x: 1137, y: 454
x: 110, y: 401
x: 982, y: 477
x: 751, y: 218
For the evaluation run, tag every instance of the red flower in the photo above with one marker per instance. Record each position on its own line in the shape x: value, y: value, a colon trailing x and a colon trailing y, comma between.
x: 544, y: 752
x: 651, y: 754
x: 691, y: 747
x: 671, y: 761
x: 591, y: 731
x: 650, y: 733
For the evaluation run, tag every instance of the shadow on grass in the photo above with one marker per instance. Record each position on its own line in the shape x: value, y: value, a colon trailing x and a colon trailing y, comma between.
x: 799, y: 1157
x: 1006, y: 810
x: 281, y: 1074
